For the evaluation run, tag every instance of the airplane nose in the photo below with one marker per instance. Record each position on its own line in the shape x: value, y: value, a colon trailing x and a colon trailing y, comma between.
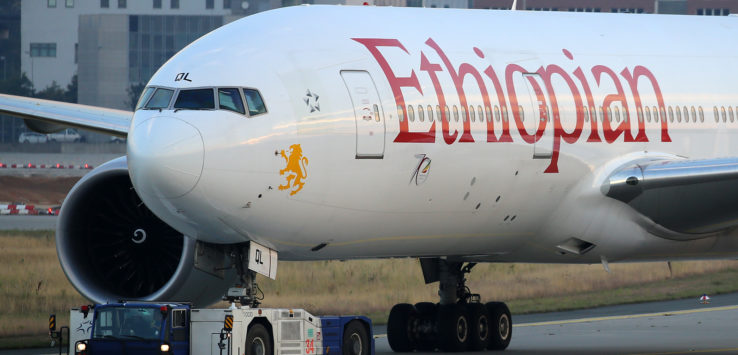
x: 165, y: 157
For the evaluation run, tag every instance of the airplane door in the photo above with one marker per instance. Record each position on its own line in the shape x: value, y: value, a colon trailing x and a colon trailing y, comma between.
x: 543, y: 148
x: 370, y: 126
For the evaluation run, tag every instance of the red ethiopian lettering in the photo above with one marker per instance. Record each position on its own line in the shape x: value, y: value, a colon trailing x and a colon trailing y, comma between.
x: 632, y: 80
x: 397, y: 83
x: 624, y: 127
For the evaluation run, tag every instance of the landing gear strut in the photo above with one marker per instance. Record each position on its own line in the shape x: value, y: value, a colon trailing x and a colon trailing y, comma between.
x: 459, y: 322
x: 247, y: 292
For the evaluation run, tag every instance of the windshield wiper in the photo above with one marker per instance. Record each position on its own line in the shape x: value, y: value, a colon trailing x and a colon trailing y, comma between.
x: 135, y: 337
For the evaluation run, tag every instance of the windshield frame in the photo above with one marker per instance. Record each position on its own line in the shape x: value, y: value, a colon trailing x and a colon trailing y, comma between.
x: 136, y: 323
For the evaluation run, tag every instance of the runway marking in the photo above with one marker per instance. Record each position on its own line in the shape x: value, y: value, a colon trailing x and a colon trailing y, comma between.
x: 691, y: 351
x: 630, y: 316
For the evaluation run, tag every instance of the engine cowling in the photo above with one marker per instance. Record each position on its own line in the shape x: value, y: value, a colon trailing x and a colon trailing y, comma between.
x: 112, y: 247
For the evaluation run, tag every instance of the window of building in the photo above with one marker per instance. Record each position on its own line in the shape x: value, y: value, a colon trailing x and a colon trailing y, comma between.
x: 69, y: 3
x: 43, y: 50
x: 157, y: 4
x: 713, y: 12
x: 174, y: 4
x: 226, y: 4
x: 209, y: 4
x: 195, y: 99
x: 51, y: 3
x: 122, y: 4
x: 254, y: 102
x: 104, y: 4
x: 230, y: 99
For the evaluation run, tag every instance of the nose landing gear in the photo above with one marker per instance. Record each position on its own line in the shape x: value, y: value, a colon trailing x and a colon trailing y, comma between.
x: 459, y: 322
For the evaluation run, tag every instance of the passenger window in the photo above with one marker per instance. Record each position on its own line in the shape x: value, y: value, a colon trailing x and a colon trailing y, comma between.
x: 585, y: 113
x: 438, y: 113
x: 602, y: 114
x: 479, y: 113
x: 411, y: 113
x: 715, y: 111
x: 671, y: 114
x: 463, y: 114
x: 471, y: 113
x: 230, y: 99
x: 617, y: 114
x: 144, y: 97
x: 421, y: 114
x: 593, y: 112
x: 686, y: 114
x: 400, y: 113
x: 648, y: 114
x: 497, y: 113
x: 662, y: 113
x: 160, y: 99
x: 702, y: 114
x: 456, y: 114
x: 722, y: 110
x: 678, y: 114
x: 448, y: 114
x: 196, y: 99
x: 609, y: 113
x: 640, y: 114
x: 730, y: 113
x: 504, y: 114
x: 430, y: 113
x: 522, y: 113
x: 254, y: 102
x: 694, y: 114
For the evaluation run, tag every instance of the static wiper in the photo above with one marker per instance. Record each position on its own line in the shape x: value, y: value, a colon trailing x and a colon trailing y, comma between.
x: 135, y: 337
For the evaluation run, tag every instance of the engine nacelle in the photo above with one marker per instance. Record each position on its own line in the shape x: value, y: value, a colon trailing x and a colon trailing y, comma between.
x: 112, y: 247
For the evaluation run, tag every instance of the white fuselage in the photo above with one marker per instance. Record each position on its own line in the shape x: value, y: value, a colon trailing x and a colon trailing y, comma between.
x: 380, y: 183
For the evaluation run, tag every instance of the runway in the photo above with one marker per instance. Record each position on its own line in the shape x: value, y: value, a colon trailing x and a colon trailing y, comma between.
x: 20, y: 222
x: 668, y: 327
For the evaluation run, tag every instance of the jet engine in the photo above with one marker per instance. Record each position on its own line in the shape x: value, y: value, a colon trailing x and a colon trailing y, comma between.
x: 112, y: 247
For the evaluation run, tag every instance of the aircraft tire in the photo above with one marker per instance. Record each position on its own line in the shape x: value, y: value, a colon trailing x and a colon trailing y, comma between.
x: 258, y: 341
x: 501, y: 326
x: 453, y: 327
x: 427, y: 312
x: 479, y: 329
x: 399, y: 332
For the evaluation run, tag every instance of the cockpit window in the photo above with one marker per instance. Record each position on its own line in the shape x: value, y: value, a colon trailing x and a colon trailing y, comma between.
x: 145, y: 96
x: 160, y: 99
x: 196, y: 99
x: 254, y: 102
x: 230, y: 99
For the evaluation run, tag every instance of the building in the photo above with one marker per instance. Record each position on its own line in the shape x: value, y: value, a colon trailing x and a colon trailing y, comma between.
x: 682, y: 7
x: 100, y: 40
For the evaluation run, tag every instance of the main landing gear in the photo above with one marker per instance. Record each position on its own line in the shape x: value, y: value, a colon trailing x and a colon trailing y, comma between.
x: 460, y: 322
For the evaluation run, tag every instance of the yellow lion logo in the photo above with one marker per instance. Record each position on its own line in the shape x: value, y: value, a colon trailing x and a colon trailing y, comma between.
x: 295, y: 169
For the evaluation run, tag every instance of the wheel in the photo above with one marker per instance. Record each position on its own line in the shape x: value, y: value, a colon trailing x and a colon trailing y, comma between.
x: 427, y: 314
x: 399, y: 328
x: 258, y: 341
x: 453, y: 327
x: 479, y: 326
x: 500, y: 326
x: 355, y: 339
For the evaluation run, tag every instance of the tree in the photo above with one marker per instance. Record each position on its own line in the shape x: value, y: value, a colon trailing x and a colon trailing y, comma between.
x: 52, y: 92
x: 71, y: 94
x: 17, y: 85
x: 134, y: 92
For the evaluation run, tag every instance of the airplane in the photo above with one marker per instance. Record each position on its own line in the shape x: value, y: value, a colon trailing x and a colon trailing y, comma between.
x: 451, y: 136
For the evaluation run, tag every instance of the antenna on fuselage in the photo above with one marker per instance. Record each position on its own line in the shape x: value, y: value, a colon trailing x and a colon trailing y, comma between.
x: 514, y: 5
